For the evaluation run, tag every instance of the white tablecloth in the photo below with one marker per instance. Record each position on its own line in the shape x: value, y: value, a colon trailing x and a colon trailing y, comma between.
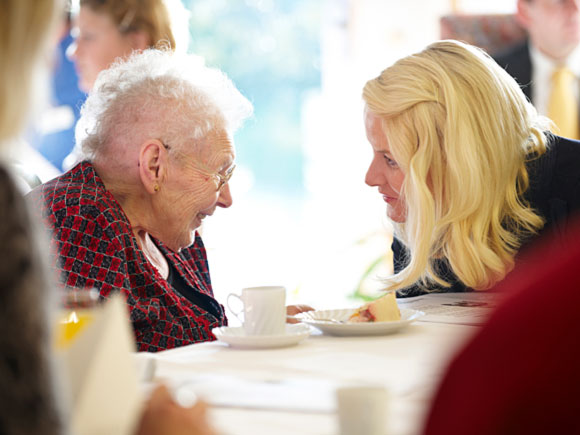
x: 291, y: 390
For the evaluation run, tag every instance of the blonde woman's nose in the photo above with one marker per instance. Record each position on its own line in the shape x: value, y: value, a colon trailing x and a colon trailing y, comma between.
x: 373, y: 176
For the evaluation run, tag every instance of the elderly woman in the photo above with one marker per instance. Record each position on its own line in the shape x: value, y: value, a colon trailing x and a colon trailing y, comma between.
x: 158, y: 132
x: 466, y: 168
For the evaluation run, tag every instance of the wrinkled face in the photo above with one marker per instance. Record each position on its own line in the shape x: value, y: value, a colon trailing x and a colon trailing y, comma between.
x: 553, y: 25
x: 384, y: 172
x: 97, y: 44
x: 189, y: 191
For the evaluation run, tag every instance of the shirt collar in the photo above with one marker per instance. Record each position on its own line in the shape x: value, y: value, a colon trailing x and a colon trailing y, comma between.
x: 545, y: 65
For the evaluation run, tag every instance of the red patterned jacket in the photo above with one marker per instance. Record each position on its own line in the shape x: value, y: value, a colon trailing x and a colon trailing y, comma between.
x: 96, y: 248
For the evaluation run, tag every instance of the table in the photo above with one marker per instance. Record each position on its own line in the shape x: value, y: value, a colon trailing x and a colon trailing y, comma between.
x: 291, y: 390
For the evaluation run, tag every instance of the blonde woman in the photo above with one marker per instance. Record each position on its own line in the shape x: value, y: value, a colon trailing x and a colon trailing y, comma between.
x: 29, y: 390
x: 464, y: 164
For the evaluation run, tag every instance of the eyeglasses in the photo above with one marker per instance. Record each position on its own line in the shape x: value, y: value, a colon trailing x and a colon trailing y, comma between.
x: 221, y: 179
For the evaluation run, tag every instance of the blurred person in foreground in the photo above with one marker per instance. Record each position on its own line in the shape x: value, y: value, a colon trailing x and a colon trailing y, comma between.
x: 547, y: 64
x: 29, y: 388
x: 469, y: 174
x: 157, y: 132
x: 106, y: 30
x: 519, y: 373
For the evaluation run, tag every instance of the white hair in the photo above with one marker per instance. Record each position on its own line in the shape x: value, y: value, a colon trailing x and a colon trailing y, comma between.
x: 158, y: 94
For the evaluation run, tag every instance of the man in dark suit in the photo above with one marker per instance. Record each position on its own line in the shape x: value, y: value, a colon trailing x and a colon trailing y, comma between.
x: 553, y: 46
x: 516, y: 61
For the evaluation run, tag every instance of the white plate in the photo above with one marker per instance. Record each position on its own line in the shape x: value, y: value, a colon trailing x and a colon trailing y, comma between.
x: 236, y: 337
x: 314, y: 318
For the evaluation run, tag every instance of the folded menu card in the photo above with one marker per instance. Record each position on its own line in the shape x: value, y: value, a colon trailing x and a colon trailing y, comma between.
x: 100, y: 372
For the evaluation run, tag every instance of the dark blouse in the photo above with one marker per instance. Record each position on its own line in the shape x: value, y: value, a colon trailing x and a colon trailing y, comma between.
x: 554, y: 193
x: 196, y: 298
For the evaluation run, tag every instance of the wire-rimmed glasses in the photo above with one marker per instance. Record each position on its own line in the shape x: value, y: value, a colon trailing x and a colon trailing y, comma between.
x: 221, y: 179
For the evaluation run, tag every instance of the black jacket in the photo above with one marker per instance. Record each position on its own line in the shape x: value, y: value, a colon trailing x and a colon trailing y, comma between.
x: 518, y: 63
x: 554, y: 193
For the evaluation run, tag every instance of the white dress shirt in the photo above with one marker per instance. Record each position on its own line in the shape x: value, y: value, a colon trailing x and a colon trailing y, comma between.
x: 542, y: 69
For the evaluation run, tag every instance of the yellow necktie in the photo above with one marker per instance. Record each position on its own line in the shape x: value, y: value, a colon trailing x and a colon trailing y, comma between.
x: 563, y: 106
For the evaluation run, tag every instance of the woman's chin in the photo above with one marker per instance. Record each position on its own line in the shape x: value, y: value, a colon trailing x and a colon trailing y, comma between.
x: 396, y: 215
x: 179, y: 243
x: 186, y: 241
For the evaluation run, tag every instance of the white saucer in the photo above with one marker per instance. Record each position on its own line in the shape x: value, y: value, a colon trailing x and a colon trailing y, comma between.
x: 236, y: 337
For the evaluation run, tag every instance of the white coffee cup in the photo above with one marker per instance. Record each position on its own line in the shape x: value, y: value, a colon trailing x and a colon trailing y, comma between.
x: 264, y: 310
x: 362, y: 410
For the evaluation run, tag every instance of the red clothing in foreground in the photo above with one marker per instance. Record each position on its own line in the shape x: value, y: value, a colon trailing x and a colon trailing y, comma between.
x: 521, y: 372
x: 95, y: 247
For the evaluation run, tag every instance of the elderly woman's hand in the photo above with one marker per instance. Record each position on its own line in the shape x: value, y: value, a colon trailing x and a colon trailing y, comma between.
x: 163, y: 416
x: 292, y: 310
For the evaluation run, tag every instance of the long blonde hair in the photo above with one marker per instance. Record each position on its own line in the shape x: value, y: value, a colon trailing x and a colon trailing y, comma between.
x: 25, y: 32
x: 461, y: 130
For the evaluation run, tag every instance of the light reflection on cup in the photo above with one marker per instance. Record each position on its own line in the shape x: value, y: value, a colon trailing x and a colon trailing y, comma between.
x: 70, y: 324
x: 264, y: 310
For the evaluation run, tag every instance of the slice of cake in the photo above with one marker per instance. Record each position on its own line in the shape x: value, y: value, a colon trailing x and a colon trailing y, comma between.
x: 383, y: 309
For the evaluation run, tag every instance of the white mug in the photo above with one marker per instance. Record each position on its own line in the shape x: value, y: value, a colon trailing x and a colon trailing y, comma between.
x: 362, y: 410
x: 264, y: 310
